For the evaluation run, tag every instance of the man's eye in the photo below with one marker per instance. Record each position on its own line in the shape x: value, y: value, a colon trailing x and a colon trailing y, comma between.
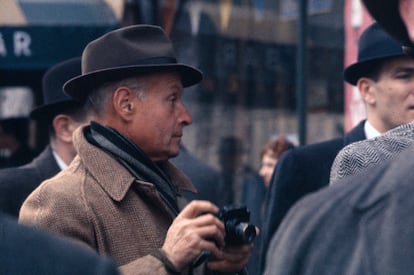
x: 405, y: 75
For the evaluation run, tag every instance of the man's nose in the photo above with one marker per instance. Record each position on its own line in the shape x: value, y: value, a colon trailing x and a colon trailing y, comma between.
x: 185, y: 116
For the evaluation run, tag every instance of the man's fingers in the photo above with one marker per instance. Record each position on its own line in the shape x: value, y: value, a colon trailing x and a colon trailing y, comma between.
x: 227, y: 266
x: 196, y: 208
x: 231, y: 258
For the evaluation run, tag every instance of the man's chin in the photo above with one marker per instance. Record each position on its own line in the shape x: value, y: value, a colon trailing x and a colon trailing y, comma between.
x: 174, y: 154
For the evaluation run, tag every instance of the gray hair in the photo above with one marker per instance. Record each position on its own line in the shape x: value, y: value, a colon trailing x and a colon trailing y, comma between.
x: 99, y: 98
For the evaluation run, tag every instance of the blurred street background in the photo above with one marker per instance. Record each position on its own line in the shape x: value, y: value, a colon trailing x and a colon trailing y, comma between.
x: 271, y: 67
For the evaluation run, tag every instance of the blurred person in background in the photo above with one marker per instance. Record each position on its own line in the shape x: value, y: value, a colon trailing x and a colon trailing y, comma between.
x: 367, y: 214
x: 254, y: 191
x: 28, y: 251
x: 382, y: 75
x: 234, y: 170
x: 204, y: 177
x: 270, y: 155
x: 15, y: 105
x: 61, y: 116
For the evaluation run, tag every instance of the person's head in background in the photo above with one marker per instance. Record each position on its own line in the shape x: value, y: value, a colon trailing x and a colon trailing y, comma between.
x: 269, y: 156
x: 60, y: 114
x: 384, y: 76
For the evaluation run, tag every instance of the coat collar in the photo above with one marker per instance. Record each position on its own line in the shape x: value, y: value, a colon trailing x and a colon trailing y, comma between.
x: 111, y: 175
x: 45, y: 164
x: 356, y: 134
x: 378, y: 181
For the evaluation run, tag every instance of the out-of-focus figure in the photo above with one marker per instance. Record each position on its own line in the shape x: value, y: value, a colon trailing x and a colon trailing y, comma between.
x: 254, y: 191
x: 269, y: 156
x: 204, y: 177
x: 15, y: 105
x: 234, y: 171
x: 61, y: 115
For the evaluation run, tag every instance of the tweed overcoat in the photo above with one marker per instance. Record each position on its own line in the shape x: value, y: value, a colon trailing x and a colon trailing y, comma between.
x: 96, y: 201
x: 361, y: 155
x: 18, y: 182
x: 301, y: 171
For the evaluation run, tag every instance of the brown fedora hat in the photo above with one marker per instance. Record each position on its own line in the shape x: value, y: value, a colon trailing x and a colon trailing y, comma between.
x: 387, y: 14
x: 126, y: 52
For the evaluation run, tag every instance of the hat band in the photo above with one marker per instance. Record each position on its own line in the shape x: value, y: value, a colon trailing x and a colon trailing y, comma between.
x: 163, y: 60
x: 153, y: 61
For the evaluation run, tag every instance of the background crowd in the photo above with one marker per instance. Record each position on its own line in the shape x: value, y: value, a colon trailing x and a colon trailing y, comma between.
x: 115, y: 177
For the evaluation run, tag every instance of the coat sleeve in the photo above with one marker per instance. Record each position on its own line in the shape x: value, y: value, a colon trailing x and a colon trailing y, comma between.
x: 50, y: 208
x: 147, y: 265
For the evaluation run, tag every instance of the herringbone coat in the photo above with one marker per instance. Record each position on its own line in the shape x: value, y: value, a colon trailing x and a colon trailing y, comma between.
x: 361, y: 155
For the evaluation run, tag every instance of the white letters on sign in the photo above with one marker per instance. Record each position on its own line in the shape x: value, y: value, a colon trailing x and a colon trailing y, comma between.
x: 21, y: 44
x: 3, y: 51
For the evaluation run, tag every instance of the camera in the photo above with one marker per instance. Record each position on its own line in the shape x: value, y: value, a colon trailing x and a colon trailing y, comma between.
x: 237, y: 225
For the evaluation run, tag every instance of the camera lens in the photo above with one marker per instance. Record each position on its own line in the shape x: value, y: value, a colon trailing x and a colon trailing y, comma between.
x: 246, y: 232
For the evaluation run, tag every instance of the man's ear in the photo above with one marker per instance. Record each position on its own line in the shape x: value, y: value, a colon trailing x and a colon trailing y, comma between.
x: 123, y: 102
x: 62, y: 126
x: 366, y: 87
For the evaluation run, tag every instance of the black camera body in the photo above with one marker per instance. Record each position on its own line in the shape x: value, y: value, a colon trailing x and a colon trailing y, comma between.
x: 237, y: 225
x: 238, y: 228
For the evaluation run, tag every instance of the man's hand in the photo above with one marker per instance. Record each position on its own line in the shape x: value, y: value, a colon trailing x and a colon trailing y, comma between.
x: 232, y: 259
x: 194, y: 230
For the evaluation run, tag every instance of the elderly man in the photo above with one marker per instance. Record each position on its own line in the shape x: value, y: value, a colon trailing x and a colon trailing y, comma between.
x: 61, y: 115
x: 121, y: 195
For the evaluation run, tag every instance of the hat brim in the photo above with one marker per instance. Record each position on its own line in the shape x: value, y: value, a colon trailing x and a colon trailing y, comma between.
x: 79, y: 87
x: 360, y: 69
x: 387, y: 14
x: 47, y: 112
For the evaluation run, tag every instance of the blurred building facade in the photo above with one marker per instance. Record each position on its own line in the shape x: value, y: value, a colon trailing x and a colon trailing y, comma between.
x: 246, y: 48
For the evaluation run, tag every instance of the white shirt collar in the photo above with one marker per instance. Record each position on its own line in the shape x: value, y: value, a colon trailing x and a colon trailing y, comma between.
x: 59, y: 161
x: 370, y: 131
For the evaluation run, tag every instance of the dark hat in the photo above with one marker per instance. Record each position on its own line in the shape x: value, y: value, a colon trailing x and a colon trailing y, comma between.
x: 126, y: 52
x: 386, y: 13
x: 54, y: 99
x: 373, y: 45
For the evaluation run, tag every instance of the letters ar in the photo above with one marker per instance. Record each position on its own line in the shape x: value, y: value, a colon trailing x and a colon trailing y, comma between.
x: 21, y: 42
